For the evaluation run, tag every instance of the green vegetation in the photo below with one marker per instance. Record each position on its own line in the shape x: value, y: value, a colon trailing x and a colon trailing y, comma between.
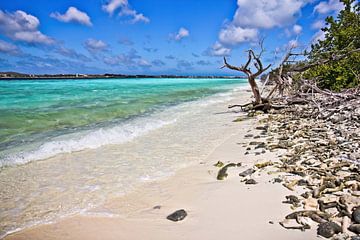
x: 342, y: 36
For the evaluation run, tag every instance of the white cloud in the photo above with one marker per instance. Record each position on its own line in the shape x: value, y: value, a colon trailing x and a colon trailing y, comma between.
x: 318, y: 24
x: 297, y: 29
x: 267, y: 14
x: 218, y: 50
x: 9, y: 48
x: 73, y: 15
x: 232, y: 35
x: 112, y: 5
x: 182, y: 33
x: 125, y: 10
x: 21, y: 26
x: 327, y: 7
x: 135, y: 17
x: 94, y: 46
x: 319, y: 35
x: 252, y: 16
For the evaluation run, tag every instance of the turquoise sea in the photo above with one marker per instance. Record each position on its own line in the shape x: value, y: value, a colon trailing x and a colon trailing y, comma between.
x: 70, y: 146
x: 35, y: 112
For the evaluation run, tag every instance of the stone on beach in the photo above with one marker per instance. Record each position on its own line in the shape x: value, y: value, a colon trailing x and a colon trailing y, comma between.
x: 177, y: 215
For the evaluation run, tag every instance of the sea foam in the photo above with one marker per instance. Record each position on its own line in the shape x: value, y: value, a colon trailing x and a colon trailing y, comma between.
x: 91, y: 139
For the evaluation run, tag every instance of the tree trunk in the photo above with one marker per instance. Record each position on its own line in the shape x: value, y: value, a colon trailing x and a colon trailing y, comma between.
x: 255, y: 90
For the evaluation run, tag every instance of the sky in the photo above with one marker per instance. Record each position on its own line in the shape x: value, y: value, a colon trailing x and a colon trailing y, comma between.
x: 182, y: 37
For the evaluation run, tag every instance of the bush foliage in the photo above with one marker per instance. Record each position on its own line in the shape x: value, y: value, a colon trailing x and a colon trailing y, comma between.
x: 342, y: 34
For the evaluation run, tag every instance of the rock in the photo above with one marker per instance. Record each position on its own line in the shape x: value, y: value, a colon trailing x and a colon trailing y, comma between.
x: 222, y: 174
x: 356, y: 215
x: 255, y: 143
x: 355, y: 228
x: 355, y: 238
x: 250, y: 181
x: 157, y: 207
x: 263, y: 164
x: 277, y: 180
x: 340, y: 236
x: 219, y: 164
x: 177, y: 215
x: 261, y: 145
x: 247, y: 172
x: 328, y: 229
x: 292, y: 199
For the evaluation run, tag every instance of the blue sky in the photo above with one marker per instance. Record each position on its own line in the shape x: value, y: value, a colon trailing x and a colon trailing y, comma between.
x: 152, y: 36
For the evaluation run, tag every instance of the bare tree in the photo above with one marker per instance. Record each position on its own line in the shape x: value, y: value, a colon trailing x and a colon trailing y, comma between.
x: 250, y: 74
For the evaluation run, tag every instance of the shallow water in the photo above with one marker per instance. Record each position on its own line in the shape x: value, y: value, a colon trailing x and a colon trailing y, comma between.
x: 40, y: 118
x: 104, y: 161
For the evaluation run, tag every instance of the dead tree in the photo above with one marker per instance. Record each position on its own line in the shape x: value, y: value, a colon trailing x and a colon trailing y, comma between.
x: 250, y: 75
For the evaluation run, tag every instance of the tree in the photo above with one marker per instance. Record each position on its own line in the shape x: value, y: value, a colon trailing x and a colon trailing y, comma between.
x: 342, y: 35
x: 251, y: 76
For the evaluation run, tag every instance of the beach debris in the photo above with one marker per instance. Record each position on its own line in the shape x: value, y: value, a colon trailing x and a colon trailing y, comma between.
x: 251, y: 181
x: 247, y: 172
x: 356, y: 215
x: 293, y: 200
x: 328, y: 229
x: 177, y: 215
x: 355, y: 228
x: 264, y: 164
x: 157, y: 207
x: 219, y: 164
x: 222, y: 174
x: 292, y: 224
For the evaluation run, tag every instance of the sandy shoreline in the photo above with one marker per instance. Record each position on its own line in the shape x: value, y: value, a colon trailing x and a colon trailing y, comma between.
x: 226, y: 209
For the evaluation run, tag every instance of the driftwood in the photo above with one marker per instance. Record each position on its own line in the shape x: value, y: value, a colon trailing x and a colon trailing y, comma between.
x: 249, y: 73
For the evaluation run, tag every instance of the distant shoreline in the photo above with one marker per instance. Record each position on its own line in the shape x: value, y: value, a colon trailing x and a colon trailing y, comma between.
x: 21, y: 76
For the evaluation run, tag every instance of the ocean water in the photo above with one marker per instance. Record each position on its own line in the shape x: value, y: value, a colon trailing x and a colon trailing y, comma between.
x: 35, y: 115
x: 69, y: 145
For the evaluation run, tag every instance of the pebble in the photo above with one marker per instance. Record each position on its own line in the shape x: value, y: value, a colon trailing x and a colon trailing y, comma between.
x: 177, y: 215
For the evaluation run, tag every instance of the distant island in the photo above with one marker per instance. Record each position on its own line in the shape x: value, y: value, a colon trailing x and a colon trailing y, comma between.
x: 16, y: 75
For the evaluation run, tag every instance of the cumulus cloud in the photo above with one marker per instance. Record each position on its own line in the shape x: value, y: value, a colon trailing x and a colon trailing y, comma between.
x: 21, y: 26
x: 125, y: 10
x: 217, y: 50
x: 95, y: 46
x: 8, y: 48
x: 267, y: 14
x: 252, y: 16
x: 232, y: 35
x: 297, y: 29
x: 182, y: 33
x: 73, y: 15
x: 328, y: 7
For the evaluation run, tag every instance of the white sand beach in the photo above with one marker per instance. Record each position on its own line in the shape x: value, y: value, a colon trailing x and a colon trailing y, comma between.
x: 226, y: 209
